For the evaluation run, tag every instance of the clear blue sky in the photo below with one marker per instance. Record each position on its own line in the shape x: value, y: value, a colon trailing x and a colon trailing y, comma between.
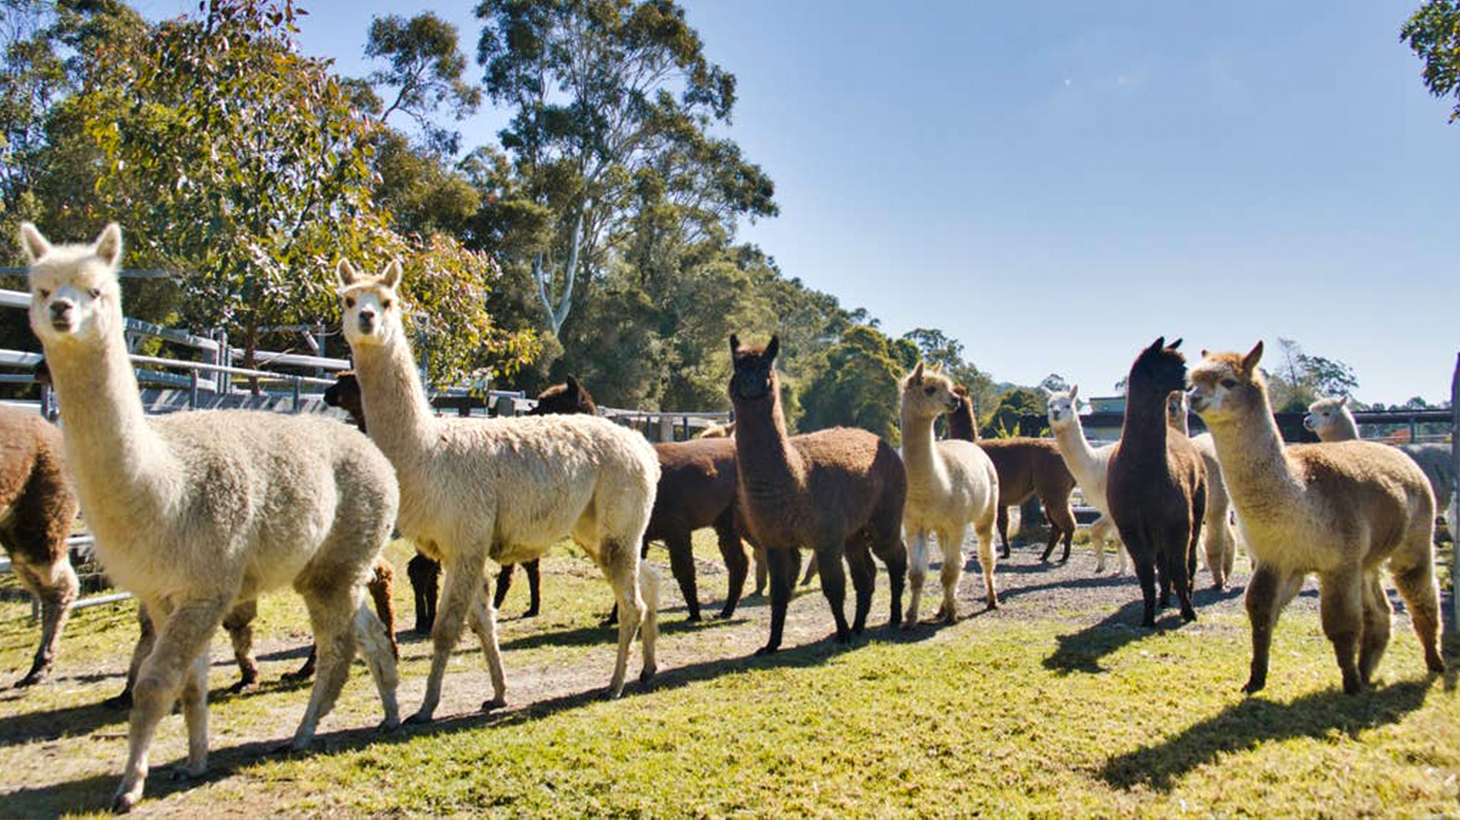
x: 1057, y: 183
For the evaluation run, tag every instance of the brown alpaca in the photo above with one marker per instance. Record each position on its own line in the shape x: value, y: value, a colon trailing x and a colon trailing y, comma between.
x: 1339, y: 510
x: 1027, y: 467
x: 37, y: 509
x: 838, y: 492
x: 567, y: 399
x: 1157, y: 484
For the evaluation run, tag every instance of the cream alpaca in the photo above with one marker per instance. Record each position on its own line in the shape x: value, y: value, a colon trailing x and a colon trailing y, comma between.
x: 1338, y: 510
x: 1089, y: 466
x: 950, y: 484
x: 196, y: 512
x: 506, y: 488
x: 1218, y: 537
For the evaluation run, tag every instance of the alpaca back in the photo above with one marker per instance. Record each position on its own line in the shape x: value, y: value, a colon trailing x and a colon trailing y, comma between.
x: 696, y: 484
x: 1151, y: 496
x: 37, y: 505
x: 249, y: 494
x: 1437, y: 462
x: 1028, y: 466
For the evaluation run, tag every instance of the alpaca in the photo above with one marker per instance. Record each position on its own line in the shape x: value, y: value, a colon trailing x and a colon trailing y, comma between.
x: 1219, y: 538
x: 950, y: 484
x: 564, y: 399
x: 196, y: 512
x: 1089, y: 466
x: 838, y: 491
x: 1156, y: 484
x: 1027, y: 467
x: 37, y: 509
x: 1331, y: 420
x: 725, y: 430
x: 504, y: 488
x: 1338, y: 510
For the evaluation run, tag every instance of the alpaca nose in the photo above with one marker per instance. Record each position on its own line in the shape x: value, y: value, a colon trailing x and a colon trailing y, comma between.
x: 367, y: 313
x: 61, y: 309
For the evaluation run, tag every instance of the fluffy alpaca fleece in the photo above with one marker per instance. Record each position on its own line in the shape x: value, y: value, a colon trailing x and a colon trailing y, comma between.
x: 1338, y: 510
x: 1332, y: 420
x: 950, y: 484
x: 1156, y: 484
x: 725, y: 430
x: 1219, y: 539
x: 504, y: 488
x: 838, y: 492
x: 1090, y: 466
x: 37, y: 509
x: 1027, y: 467
x: 197, y: 512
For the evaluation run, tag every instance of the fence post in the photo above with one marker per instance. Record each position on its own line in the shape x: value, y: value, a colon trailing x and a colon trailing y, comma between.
x: 225, y: 358
x: 192, y: 389
x: 1451, y: 522
x: 295, y: 381
x: 666, y: 428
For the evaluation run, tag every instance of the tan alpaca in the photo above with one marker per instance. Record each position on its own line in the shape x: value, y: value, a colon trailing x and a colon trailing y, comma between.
x: 505, y: 489
x: 950, y: 484
x: 197, y: 512
x: 1337, y: 510
x: 1218, y: 536
x: 1089, y: 466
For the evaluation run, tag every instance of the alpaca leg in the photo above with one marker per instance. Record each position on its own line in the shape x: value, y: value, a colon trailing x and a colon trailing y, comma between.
x: 649, y: 629
x: 239, y: 623
x: 534, y: 588
x: 783, y: 566
x: 1414, y: 576
x: 1002, y: 522
x: 424, y: 575
x: 1378, y: 621
x: 1267, y: 593
x: 1215, y: 548
x: 762, y: 570
x: 483, y: 622
x: 682, y: 564
x: 864, y: 578
x: 331, y: 615
x: 504, y: 583
x: 463, y: 585
x: 950, y: 544
x: 813, y: 567
x: 1146, y: 572
x: 735, y: 562
x: 381, y: 587
x: 1099, y: 534
x: 378, y: 646
x: 195, y: 714
x: 1183, y: 566
x: 889, y: 547
x: 56, y: 587
x: 146, y: 637
x: 181, y: 639
x: 620, y: 564
x: 986, y: 560
x: 918, y: 572
x: 1062, y: 519
x: 834, y: 587
x: 1340, y: 604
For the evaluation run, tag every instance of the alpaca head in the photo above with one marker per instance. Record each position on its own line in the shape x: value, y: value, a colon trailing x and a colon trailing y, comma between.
x: 755, y: 370
x: 1326, y: 415
x: 927, y: 393
x: 1176, y: 410
x: 345, y: 394
x: 75, y: 296
x: 1159, y: 369
x: 1064, y: 408
x: 569, y: 398
x: 371, y: 308
x: 1226, y: 384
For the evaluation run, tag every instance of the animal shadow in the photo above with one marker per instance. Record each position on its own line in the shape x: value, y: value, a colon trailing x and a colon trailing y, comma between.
x: 1253, y: 721
x: 1081, y: 651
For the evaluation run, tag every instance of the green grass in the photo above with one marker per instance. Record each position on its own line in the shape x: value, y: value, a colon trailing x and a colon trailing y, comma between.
x: 1065, y: 711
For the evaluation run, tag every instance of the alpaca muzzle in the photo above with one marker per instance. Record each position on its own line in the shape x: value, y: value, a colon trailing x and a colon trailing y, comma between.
x: 61, y: 316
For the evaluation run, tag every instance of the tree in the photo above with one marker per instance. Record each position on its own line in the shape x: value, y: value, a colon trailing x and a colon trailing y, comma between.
x: 1008, y: 416
x: 601, y: 91
x: 424, y: 69
x: 1054, y: 383
x: 858, y: 387
x: 1433, y: 32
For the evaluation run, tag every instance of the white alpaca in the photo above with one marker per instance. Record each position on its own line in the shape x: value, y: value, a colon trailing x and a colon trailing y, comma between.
x: 504, y: 488
x: 950, y: 484
x: 196, y: 512
x: 1332, y: 420
x: 1219, y: 538
x: 1089, y: 466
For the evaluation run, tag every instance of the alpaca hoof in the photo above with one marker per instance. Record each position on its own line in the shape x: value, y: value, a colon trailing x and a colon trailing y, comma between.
x: 1435, y: 663
x: 239, y: 687
x: 1188, y: 615
x: 532, y: 612
x: 693, y: 618
x: 121, y: 701
x: 725, y: 614
x: 646, y: 677
x: 493, y: 703
x: 765, y: 650
x: 419, y: 719
x: 389, y: 724
x: 1253, y: 686
x: 993, y: 603
x: 34, y: 677
x: 123, y: 803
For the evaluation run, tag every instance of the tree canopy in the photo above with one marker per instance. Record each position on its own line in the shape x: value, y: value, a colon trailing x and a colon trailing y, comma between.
x: 1433, y: 32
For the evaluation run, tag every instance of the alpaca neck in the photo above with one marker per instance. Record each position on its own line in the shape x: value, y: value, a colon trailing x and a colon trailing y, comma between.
x: 1345, y: 429
x: 396, y: 411
x: 116, y: 459
x: 961, y: 426
x: 1255, y: 467
x: 918, y: 452
x: 768, y: 464
x: 1079, y: 455
x: 1145, y: 429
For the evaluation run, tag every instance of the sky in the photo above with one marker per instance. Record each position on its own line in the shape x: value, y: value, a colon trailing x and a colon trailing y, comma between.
x: 1056, y: 184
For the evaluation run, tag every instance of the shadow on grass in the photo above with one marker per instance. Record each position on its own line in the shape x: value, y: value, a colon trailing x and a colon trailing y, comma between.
x: 73, y: 721
x: 1082, y: 651
x: 91, y: 794
x: 1253, y: 721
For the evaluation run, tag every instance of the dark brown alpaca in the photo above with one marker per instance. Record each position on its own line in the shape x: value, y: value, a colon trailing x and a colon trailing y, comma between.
x: 1027, y: 467
x: 839, y: 492
x: 1157, y: 484
x: 564, y: 399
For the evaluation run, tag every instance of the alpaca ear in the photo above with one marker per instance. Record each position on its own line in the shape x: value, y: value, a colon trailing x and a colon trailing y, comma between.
x: 773, y: 348
x: 937, y: 367
x: 391, y: 276
x: 1074, y: 391
x: 108, y: 245
x: 1158, y: 344
x: 1249, y: 362
x: 1343, y: 401
x: 32, y: 243
x: 573, y: 388
x: 961, y: 391
x: 1174, y: 344
x: 917, y: 375
x: 734, y: 344
x: 1205, y: 353
x: 345, y: 274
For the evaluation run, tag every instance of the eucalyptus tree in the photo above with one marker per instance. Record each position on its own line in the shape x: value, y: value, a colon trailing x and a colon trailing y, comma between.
x: 1433, y: 32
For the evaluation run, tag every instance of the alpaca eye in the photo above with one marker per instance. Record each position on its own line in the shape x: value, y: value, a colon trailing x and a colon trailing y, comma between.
x: 45, y: 294
x: 1229, y: 383
x: 386, y: 304
x: 349, y: 301
x: 930, y: 390
x: 95, y: 293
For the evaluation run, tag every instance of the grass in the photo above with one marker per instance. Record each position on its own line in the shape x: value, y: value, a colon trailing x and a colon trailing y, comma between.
x: 1052, y: 707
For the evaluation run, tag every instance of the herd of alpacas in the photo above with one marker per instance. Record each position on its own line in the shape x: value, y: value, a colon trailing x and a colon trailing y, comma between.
x: 199, y: 513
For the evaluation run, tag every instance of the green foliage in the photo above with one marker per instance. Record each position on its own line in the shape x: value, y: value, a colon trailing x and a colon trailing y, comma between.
x: 1433, y: 32
x: 858, y: 386
x: 1013, y: 406
x: 1298, y: 379
x: 424, y: 68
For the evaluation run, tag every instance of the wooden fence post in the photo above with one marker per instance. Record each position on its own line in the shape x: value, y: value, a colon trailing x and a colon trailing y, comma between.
x: 1451, y: 523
